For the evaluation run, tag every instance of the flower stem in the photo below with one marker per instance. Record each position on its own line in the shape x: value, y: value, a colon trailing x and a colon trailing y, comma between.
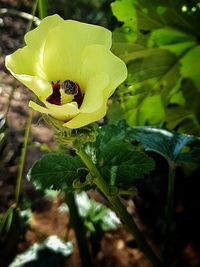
x: 79, y: 230
x: 42, y: 8
x: 23, y: 156
x: 169, y: 212
x: 119, y: 208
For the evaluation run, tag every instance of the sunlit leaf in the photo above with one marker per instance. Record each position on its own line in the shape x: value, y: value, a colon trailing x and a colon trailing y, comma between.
x: 174, y: 147
x: 120, y: 164
x: 190, y: 66
x: 164, y: 53
x: 55, y: 171
x: 125, y: 12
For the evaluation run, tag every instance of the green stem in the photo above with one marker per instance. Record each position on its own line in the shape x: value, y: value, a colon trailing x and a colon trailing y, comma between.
x: 23, y: 156
x: 79, y: 230
x: 169, y: 212
x: 42, y: 8
x: 119, y: 208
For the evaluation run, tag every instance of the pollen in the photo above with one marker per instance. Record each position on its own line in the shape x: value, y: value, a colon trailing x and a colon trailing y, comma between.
x: 70, y: 87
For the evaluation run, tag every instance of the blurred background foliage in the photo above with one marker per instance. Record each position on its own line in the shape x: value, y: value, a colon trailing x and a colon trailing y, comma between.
x: 159, y: 41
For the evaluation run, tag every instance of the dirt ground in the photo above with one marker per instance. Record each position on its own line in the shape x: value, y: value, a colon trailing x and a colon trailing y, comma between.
x: 117, y: 248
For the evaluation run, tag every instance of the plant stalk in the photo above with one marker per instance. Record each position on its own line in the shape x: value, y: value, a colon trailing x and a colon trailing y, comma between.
x: 23, y: 156
x: 119, y: 208
x: 169, y: 212
x: 42, y: 8
x: 79, y: 230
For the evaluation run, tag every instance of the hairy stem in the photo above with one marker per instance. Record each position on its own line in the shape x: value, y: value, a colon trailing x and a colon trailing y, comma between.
x: 119, y: 208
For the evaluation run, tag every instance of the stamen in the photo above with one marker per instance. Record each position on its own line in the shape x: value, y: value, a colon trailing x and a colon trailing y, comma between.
x: 70, y: 88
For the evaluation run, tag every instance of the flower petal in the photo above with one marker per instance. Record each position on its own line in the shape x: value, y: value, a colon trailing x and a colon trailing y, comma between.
x: 29, y: 60
x: 63, y: 112
x: 26, y: 64
x: 98, y: 59
x: 21, y: 66
x: 70, y: 38
x: 83, y: 119
x: 99, y: 86
x: 37, y: 37
x: 94, y: 102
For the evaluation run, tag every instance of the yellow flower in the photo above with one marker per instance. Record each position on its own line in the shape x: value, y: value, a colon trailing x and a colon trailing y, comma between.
x: 69, y: 66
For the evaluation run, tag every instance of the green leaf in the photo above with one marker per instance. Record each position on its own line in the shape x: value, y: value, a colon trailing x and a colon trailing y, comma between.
x: 174, y: 147
x: 55, y: 171
x: 184, y: 112
x: 171, y: 39
x: 122, y: 166
x: 193, y: 153
x: 106, y: 134
x: 125, y: 12
x: 157, y: 14
x: 117, y: 159
x: 162, y: 56
x: 190, y: 66
x: 152, y: 75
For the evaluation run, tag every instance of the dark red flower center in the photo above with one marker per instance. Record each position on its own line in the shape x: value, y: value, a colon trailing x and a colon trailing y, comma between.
x: 55, y: 97
x: 70, y: 88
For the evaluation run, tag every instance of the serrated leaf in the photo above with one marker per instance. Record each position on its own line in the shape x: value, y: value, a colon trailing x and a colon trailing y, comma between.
x: 114, y: 152
x: 169, y: 145
x: 107, y: 133
x: 121, y: 165
x: 55, y: 171
x: 117, y: 160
